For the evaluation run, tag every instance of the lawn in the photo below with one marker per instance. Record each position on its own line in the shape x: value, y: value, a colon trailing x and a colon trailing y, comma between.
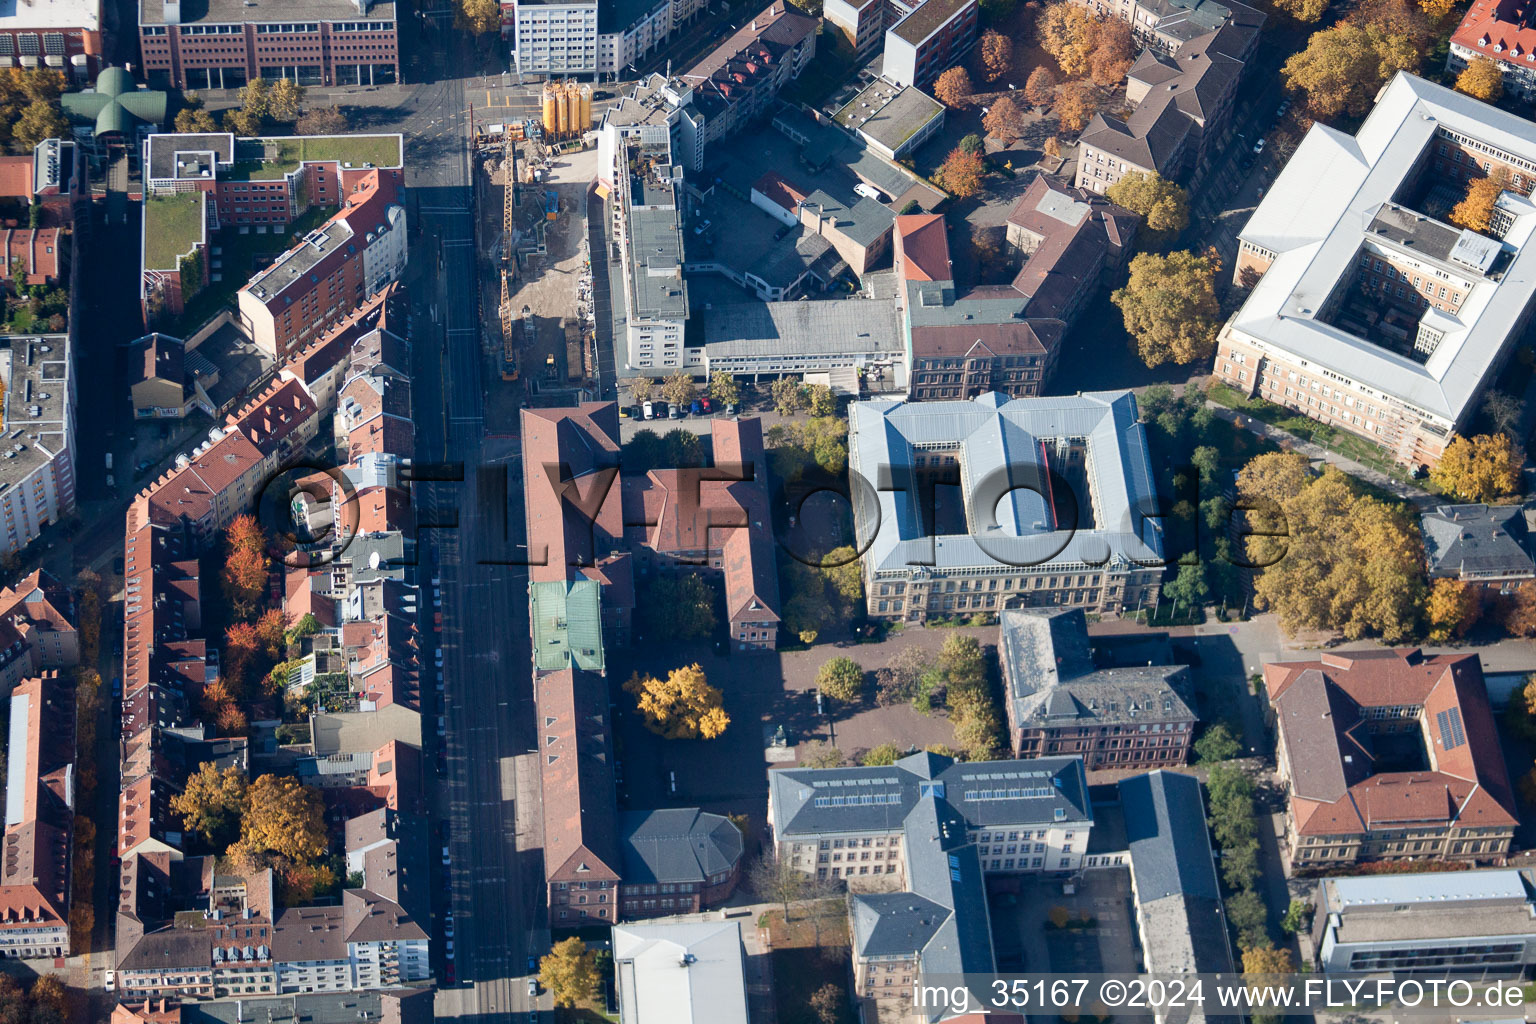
x: 173, y: 224
x: 379, y: 150
x: 1341, y: 442
x: 238, y: 256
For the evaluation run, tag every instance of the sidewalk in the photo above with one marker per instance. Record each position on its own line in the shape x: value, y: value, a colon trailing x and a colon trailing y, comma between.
x: 1421, y: 498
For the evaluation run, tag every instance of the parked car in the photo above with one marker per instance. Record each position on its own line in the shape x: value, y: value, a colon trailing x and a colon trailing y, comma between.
x: 533, y: 965
x: 533, y: 987
x: 448, y: 927
x: 676, y: 412
x: 697, y: 408
x: 730, y: 408
x: 117, y: 686
x: 448, y: 949
x: 442, y: 726
x: 602, y: 94
x: 448, y: 976
x: 447, y: 860
x: 708, y: 406
x: 1258, y: 147
x: 650, y: 411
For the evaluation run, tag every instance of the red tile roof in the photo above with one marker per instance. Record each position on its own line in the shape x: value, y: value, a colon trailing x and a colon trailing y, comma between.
x: 780, y: 191
x: 16, y: 177
x: 37, y: 251
x: 922, y: 249
x: 1319, y: 705
x: 1502, y: 30
x: 575, y: 750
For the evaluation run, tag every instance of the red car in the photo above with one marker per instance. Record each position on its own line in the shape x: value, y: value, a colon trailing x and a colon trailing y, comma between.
x: 706, y: 405
x: 448, y: 977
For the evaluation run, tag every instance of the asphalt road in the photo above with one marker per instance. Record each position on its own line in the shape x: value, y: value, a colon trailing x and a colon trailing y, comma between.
x: 487, y: 699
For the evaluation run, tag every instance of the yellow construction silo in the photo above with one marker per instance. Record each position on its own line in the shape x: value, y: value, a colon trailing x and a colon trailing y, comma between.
x: 552, y: 98
x: 581, y: 108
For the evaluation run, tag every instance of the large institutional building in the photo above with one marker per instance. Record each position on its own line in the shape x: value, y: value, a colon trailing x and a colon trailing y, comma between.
x: 1370, y: 312
x: 1053, y: 506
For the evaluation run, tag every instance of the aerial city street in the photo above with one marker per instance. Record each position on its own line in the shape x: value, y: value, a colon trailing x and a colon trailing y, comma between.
x: 745, y: 512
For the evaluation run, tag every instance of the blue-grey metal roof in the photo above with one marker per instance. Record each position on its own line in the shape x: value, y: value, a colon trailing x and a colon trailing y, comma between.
x: 1478, y: 540
x: 810, y: 801
x: 887, y: 435
x: 1170, y: 846
x: 1431, y: 887
x: 677, y: 845
x: 1054, y: 676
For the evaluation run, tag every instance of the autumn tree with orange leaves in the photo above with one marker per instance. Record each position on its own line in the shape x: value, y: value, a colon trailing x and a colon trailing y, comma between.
x: 245, y: 567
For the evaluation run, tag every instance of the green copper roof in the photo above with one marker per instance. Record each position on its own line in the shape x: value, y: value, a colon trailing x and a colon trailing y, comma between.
x: 567, y: 625
x: 117, y: 104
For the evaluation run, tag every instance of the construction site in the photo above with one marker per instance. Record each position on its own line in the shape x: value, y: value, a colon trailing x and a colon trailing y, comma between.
x: 532, y: 182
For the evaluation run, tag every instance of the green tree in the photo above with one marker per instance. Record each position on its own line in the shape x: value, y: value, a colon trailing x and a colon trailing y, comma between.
x: 723, y: 388
x: 962, y: 664
x: 1484, y: 468
x: 678, y: 608
x: 1344, y: 66
x: 841, y: 569
x: 885, y: 753
x: 211, y: 804
x: 1217, y: 744
x: 972, y: 143
x: 41, y: 120
x: 1188, y: 588
x: 569, y: 971
x: 788, y: 394
x: 841, y: 679
x: 284, y: 100
x: 681, y: 449
x: 1298, y: 917
x: 821, y: 400
x: 193, y: 119
x: 1169, y: 306
x: 1245, y: 911
x: 1305, y: 11
x: 1163, y: 205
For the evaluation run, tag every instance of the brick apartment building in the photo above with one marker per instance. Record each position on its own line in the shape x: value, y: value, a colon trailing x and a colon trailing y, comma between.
x: 1369, y: 312
x: 1390, y: 755
x: 740, y: 79
x: 197, y: 185
x: 223, y: 44
x: 1503, y: 31
x: 1116, y: 703
x: 316, y: 284
x: 61, y: 34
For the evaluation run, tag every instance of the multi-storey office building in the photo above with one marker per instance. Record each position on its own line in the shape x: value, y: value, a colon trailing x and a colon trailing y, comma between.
x: 1166, y: 25
x: 847, y: 823
x: 222, y: 44
x: 1370, y: 312
x: 1446, y: 922
x: 966, y: 507
x: 647, y: 213
x: 61, y: 34
x: 557, y: 37
x: 929, y: 41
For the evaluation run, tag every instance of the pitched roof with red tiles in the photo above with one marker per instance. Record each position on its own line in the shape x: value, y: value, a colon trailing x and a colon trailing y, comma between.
x: 781, y: 192
x: 1324, y: 728
x: 37, y: 250
x: 16, y: 177
x: 572, y: 497
x: 33, y: 880
x: 922, y: 248
x: 1501, y: 30
x: 576, y: 770
x: 334, y: 347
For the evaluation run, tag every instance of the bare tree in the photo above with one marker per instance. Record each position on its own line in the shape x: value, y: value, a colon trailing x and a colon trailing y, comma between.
x: 776, y: 880
x: 1503, y: 411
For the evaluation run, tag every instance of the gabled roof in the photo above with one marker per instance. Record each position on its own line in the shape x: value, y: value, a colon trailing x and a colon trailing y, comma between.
x: 1334, y: 787
x: 1469, y: 541
x: 575, y: 752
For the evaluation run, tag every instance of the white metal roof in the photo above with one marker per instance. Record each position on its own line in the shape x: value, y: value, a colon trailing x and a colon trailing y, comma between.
x: 678, y: 972
x: 1315, y: 220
